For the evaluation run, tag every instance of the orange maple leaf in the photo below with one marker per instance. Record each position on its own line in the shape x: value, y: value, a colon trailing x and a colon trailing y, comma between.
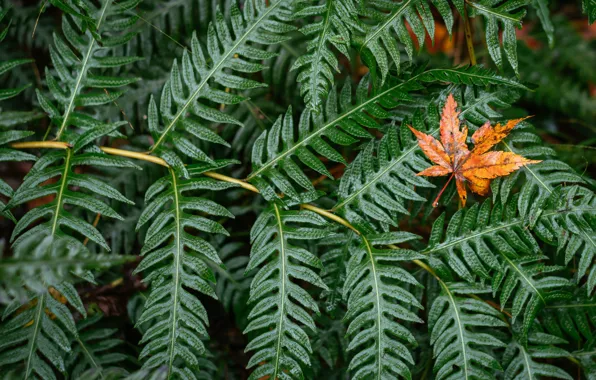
x: 476, y: 167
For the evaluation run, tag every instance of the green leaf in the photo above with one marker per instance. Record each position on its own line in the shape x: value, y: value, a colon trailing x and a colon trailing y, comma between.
x: 197, y: 76
x: 281, y: 309
x: 459, y: 350
x: 378, y: 302
x: 175, y: 266
x: 338, y: 22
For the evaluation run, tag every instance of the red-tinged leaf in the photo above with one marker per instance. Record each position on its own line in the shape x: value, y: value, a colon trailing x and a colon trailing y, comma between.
x: 475, y: 168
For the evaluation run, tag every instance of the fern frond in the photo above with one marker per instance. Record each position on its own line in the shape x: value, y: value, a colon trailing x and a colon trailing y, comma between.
x: 31, y: 336
x: 376, y: 298
x: 10, y: 119
x: 183, y: 107
x: 281, y: 308
x: 76, y: 61
x: 589, y: 8
x: 63, y: 163
x: 274, y: 153
x: 377, y: 187
x: 391, y: 17
x: 90, y: 356
x: 42, y: 261
x: 494, y: 244
x: 573, y: 231
x: 458, y: 328
x: 521, y: 360
x: 338, y: 22
x: 574, y: 318
x: 175, y: 265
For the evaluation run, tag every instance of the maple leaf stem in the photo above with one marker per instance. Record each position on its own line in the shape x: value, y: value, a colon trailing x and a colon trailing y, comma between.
x: 436, y: 201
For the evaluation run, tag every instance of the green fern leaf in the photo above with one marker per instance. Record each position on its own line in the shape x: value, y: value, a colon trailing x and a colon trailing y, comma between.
x: 175, y: 266
x: 509, y: 15
x: 338, y: 22
x: 281, y: 308
x: 494, y: 244
x: 76, y: 60
x: 274, y: 167
x: 42, y: 261
x: 391, y: 17
x: 62, y: 163
x: 90, y: 356
x: 376, y: 298
x: 183, y: 112
x: 30, y: 337
x: 377, y: 187
x: 521, y: 360
x: 573, y: 230
x: 574, y: 318
x: 459, y: 342
x: 589, y: 8
x: 335, y: 250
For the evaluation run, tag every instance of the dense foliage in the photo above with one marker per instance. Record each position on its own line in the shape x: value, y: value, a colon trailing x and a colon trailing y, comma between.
x: 218, y: 189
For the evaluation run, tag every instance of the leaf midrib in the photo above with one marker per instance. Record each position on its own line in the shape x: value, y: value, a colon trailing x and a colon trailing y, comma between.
x: 460, y: 329
x: 378, y: 299
x: 282, y: 292
x: 213, y: 71
x: 36, y: 328
x: 317, y: 64
x: 178, y: 255
x: 82, y: 73
x: 386, y: 23
x: 61, y: 191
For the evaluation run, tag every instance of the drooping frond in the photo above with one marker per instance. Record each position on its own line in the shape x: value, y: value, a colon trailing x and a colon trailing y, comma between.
x: 38, y: 262
x: 494, y: 244
x: 377, y: 300
x: 377, y: 186
x: 274, y: 153
x: 589, y: 8
x: 573, y: 319
x: 523, y: 361
x: 6, y: 155
x: 175, y: 266
x: 458, y: 334
x: 82, y: 60
x: 63, y: 163
x: 337, y: 21
x: 573, y: 231
x: 35, y: 334
x: 281, y: 308
x: 390, y: 18
x: 184, y: 105
x: 92, y: 355
x: 501, y: 19
x: 10, y: 119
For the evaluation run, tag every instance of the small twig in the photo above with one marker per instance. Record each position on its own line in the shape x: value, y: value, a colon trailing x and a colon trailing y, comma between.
x: 331, y: 216
x: 225, y: 178
x: 136, y: 155
x: 41, y: 144
x: 469, y: 40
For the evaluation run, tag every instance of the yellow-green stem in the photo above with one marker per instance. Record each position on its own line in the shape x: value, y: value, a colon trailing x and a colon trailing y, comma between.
x: 469, y: 40
x: 41, y: 144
